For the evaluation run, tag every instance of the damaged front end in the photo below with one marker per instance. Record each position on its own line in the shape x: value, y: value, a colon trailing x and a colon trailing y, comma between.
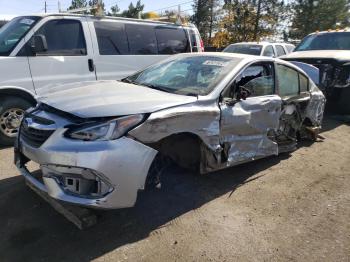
x: 98, y: 174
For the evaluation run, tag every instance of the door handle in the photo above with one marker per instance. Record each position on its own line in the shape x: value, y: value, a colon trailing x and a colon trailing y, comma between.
x: 91, y: 65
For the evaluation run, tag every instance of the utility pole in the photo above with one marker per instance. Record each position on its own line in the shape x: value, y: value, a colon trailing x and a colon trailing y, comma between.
x: 59, y: 6
x: 45, y: 7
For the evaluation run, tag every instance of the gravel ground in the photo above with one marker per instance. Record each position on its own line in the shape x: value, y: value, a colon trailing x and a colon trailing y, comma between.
x: 294, y: 207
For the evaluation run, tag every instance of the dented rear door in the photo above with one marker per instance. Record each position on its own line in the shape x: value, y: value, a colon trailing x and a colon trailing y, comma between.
x: 248, y: 126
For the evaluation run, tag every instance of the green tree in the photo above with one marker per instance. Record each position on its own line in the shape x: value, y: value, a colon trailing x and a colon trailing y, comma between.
x: 77, y: 4
x: 133, y: 11
x: 313, y: 15
x: 114, y: 11
x: 205, y: 17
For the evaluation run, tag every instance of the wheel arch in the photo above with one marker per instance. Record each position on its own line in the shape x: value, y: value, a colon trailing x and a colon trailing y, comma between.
x: 184, y: 148
x: 18, y: 92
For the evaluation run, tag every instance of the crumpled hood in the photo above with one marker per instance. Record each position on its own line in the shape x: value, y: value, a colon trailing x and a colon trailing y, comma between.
x: 111, y: 98
x: 341, y: 55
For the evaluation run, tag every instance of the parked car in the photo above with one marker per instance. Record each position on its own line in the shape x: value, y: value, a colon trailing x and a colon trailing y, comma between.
x: 39, y: 52
x: 330, y: 52
x: 260, y: 48
x: 99, y: 143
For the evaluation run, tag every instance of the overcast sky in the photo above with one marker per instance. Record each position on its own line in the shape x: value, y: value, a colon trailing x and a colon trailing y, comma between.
x: 11, y: 8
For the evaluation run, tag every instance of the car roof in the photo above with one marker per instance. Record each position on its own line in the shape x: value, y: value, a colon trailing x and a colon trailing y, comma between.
x: 263, y: 43
x: 345, y: 30
x: 112, y: 18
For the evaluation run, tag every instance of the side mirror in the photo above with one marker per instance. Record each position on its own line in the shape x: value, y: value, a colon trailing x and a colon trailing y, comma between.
x: 38, y: 44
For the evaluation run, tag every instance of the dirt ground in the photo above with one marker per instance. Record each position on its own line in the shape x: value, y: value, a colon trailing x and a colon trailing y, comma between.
x: 295, y: 207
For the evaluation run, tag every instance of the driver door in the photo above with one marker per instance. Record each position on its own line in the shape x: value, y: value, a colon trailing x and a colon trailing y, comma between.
x: 246, y: 126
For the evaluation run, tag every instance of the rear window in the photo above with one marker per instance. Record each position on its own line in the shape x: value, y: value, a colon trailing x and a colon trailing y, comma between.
x: 171, y: 40
x: 111, y: 38
x: 142, y: 39
x: 244, y: 49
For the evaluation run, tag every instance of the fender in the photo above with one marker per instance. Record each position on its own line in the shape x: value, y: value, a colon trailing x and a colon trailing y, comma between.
x: 19, y: 91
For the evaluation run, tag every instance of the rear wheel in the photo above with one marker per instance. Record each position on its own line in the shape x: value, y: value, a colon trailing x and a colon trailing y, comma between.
x: 11, y: 113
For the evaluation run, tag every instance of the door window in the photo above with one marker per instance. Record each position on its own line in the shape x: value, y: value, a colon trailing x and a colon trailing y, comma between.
x: 64, y: 38
x: 258, y: 79
x: 304, y: 83
x: 111, y: 38
x: 269, y: 51
x: 142, y: 39
x: 280, y: 50
x: 171, y: 40
x: 288, y: 80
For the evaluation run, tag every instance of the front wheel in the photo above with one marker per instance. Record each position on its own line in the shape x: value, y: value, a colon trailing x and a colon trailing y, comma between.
x: 11, y: 113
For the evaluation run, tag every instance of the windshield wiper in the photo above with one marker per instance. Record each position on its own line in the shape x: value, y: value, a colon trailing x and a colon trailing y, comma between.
x: 160, y: 88
x: 128, y: 80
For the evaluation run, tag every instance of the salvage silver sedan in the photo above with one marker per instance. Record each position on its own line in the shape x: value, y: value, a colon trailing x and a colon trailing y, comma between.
x: 99, y: 143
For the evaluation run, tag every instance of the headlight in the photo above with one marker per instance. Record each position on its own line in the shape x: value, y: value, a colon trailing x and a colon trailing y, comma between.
x: 105, y: 131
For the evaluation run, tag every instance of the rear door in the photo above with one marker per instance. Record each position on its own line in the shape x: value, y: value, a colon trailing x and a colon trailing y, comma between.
x: 68, y: 57
x: 247, y: 125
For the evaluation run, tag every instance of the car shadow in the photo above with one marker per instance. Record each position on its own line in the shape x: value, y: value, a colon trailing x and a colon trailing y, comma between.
x: 34, y: 231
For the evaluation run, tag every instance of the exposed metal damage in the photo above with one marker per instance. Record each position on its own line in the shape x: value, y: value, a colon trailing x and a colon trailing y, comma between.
x: 100, y: 158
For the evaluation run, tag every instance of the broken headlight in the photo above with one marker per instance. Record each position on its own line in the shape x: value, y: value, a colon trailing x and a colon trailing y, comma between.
x: 105, y: 131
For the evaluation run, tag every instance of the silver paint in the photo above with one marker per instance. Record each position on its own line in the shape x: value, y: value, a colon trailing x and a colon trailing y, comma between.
x: 230, y: 134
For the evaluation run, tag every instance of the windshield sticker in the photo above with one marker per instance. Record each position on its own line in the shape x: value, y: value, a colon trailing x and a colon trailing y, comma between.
x: 26, y: 21
x: 215, y: 63
x: 255, y: 47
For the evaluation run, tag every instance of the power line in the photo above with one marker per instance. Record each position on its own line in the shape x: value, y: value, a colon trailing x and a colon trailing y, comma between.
x: 175, y: 5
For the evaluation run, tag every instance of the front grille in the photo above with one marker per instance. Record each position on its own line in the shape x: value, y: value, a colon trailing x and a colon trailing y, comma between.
x: 33, y: 136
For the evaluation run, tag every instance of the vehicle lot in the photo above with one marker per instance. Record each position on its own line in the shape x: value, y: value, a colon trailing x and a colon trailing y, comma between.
x: 287, y: 208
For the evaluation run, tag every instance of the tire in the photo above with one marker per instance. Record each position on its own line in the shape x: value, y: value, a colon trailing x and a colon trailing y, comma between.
x: 11, y: 113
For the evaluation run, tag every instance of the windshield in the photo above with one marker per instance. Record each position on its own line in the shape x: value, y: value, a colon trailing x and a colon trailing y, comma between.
x: 12, y: 32
x: 244, y: 49
x: 194, y: 75
x: 325, y: 41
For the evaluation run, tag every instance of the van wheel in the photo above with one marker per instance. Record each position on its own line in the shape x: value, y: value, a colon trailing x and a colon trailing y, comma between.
x: 11, y: 113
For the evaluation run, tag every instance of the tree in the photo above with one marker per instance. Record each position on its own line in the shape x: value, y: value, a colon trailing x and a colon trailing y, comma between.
x: 150, y: 15
x: 95, y: 3
x: 77, y: 4
x: 313, y: 15
x: 205, y: 17
x: 114, y: 11
x: 133, y: 11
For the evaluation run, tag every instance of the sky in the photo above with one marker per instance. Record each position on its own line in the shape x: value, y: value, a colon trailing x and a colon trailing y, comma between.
x: 12, y: 8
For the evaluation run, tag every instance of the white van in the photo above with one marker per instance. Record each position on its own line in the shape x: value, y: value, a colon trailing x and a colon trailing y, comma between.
x: 40, y: 52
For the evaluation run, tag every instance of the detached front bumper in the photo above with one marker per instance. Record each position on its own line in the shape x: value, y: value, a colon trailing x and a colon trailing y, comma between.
x: 104, y: 174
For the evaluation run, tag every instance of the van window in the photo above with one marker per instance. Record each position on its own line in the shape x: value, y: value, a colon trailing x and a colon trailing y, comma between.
x: 288, y: 80
x: 111, y: 38
x: 194, y: 43
x: 280, y: 50
x: 258, y: 79
x: 171, y: 40
x: 269, y: 51
x: 142, y: 39
x: 64, y: 38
